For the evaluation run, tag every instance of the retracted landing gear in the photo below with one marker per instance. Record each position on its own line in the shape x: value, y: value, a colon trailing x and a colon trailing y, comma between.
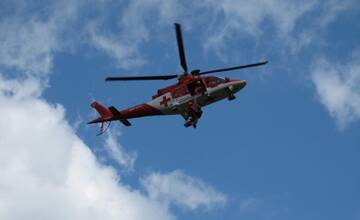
x: 192, y: 115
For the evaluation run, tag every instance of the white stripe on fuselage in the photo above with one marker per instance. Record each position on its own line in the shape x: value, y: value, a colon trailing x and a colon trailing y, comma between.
x: 179, y: 104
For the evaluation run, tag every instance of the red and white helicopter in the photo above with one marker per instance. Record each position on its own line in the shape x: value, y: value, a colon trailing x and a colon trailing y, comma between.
x: 185, y: 98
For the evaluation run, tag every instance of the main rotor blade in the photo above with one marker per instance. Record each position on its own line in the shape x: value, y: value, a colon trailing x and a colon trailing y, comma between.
x: 181, y: 47
x: 129, y: 78
x: 233, y: 68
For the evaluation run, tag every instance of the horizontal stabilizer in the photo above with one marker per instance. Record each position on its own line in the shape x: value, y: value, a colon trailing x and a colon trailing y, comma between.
x: 117, y: 114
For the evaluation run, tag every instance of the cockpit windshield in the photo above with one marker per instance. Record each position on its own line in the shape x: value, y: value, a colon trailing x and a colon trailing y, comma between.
x: 213, y: 81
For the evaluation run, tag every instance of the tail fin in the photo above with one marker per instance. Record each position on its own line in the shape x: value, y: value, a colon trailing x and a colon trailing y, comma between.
x: 108, y: 114
x: 103, y: 111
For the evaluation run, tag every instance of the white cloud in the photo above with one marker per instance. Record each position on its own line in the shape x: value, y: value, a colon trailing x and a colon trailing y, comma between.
x: 323, y: 15
x: 239, y: 17
x: 337, y: 86
x: 249, y: 15
x: 221, y: 21
x: 123, y: 42
x: 182, y: 190
x: 27, y: 42
x: 117, y: 152
x: 27, y: 45
x: 249, y: 204
x: 20, y: 89
x: 231, y: 20
x: 125, y: 53
x: 31, y: 33
x: 47, y: 172
x: 331, y: 10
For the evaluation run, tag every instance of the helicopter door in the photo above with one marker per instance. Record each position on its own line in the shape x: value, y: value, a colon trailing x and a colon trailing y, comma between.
x: 196, y: 87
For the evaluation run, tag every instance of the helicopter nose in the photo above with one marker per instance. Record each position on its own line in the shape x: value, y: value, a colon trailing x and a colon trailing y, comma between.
x: 243, y: 83
x: 237, y: 85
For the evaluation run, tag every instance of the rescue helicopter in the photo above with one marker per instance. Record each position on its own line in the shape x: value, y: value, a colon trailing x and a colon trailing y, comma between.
x: 192, y: 91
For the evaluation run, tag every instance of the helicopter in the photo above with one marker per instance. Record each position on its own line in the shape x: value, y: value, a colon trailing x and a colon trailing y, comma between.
x: 186, y: 97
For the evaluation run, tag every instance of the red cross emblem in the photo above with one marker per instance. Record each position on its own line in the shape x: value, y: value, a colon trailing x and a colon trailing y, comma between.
x: 165, y: 101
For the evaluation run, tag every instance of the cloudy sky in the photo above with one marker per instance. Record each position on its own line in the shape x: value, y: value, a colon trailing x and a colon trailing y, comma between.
x: 286, y: 148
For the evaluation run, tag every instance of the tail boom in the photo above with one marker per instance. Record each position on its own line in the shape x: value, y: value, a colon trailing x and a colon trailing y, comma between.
x: 118, y: 115
x: 112, y: 114
x: 108, y: 115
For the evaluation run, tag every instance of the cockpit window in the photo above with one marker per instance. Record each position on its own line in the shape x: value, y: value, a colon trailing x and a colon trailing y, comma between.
x: 219, y: 80
x: 213, y: 81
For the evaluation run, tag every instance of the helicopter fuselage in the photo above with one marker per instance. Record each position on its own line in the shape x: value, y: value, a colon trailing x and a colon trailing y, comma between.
x: 176, y: 98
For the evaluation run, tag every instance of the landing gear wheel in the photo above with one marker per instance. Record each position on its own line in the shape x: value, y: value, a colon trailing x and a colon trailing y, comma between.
x: 231, y: 97
x: 190, y: 123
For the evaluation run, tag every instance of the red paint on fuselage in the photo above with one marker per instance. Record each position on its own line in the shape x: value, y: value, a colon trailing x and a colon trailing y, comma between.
x: 180, y: 88
x: 140, y: 111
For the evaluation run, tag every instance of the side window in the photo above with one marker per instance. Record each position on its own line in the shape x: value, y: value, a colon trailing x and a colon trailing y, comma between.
x: 181, y: 91
x: 211, y: 81
x: 218, y: 81
x: 196, y: 87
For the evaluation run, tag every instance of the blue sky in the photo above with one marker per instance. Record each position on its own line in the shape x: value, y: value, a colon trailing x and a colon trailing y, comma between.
x: 286, y: 148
